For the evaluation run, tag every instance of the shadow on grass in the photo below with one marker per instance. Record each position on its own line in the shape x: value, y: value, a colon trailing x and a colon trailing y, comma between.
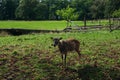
x: 84, y: 72
x: 35, y: 67
x: 88, y: 72
x: 91, y: 73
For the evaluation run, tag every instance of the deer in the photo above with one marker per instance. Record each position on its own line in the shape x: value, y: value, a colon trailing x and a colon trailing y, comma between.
x: 66, y: 46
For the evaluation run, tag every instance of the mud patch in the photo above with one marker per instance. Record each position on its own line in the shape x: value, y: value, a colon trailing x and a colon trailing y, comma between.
x: 17, y: 32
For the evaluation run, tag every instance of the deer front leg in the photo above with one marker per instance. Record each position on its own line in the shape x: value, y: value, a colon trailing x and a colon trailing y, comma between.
x: 62, y: 58
x: 65, y: 59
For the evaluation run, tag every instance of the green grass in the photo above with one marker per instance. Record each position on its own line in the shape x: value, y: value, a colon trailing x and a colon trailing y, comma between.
x: 45, y: 25
x: 31, y: 57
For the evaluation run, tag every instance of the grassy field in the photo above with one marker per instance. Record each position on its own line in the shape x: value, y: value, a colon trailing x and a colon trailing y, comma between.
x: 45, y: 25
x: 31, y: 57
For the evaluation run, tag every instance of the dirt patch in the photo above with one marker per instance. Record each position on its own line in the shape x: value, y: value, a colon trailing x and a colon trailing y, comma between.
x: 17, y: 32
x: 3, y: 33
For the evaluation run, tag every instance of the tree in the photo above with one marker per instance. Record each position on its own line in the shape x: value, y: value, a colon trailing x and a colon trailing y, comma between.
x: 97, y: 9
x: 54, y: 5
x: 26, y: 9
x: 116, y: 13
x: 111, y: 6
x: 7, y: 9
x: 41, y: 11
x: 82, y: 7
x: 67, y: 14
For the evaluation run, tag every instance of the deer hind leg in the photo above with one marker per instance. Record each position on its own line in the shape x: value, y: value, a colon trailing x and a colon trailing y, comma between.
x: 79, y: 54
x: 78, y: 51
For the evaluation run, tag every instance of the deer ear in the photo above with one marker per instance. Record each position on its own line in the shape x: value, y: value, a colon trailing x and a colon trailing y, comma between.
x: 60, y: 38
x: 51, y: 38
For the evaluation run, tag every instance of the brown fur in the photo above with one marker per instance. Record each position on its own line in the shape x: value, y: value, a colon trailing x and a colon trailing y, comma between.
x: 66, y: 46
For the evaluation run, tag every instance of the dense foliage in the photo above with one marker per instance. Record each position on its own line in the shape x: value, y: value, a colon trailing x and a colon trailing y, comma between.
x: 46, y: 9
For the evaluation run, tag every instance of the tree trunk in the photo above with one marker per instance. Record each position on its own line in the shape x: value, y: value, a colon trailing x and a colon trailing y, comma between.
x: 67, y: 23
x: 99, y: 21
x: 84, y: 22
x: 110, y: 25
